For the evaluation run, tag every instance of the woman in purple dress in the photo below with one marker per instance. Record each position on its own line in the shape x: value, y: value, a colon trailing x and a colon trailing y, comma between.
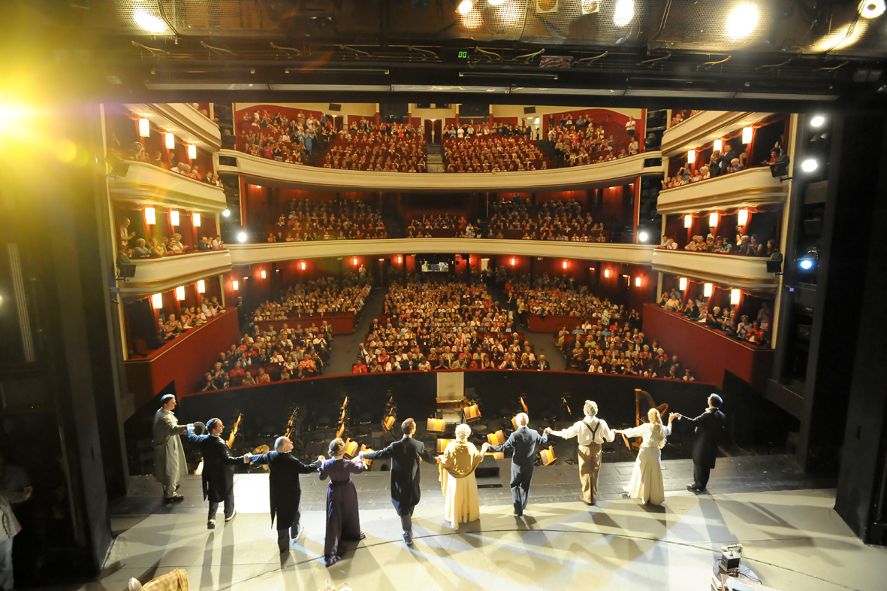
x: 342, y: 518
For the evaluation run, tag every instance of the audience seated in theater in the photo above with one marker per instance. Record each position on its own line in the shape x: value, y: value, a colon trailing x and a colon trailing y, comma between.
x: 340, y: 219
x: 315, y: 298
x: 550, y: 220
x: 486, y: 148
x: 679, y: 116
x: 191, y: 317
x: 579, y: 141
x: 724, y: 320
x: 267, y: 355
x: 442, y: 325
x: 439, y: 226
x: 294, y: 139
x: 745, y: 245
x: 191, y: 170
x: 380, y: 147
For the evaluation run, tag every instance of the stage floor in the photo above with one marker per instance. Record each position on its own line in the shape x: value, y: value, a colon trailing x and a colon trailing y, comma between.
x: 792, y: 538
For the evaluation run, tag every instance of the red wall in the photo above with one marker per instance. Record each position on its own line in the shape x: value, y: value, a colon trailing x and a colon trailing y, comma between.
x: 184, y: 360
x: 709, y: 353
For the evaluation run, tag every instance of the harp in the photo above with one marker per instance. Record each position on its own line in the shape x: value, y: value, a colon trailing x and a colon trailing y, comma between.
x: 643, y: 402
x: 343, y: 414
x: 233, y: 435
x: 523, y: 408
x: 291, y: 424
x: 390, y: 414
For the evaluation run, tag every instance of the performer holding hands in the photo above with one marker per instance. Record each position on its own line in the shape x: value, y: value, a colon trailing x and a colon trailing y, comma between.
x: 646, y: 478
x: 457, y: 479
x: 218, y: 469
x: 591, y: 432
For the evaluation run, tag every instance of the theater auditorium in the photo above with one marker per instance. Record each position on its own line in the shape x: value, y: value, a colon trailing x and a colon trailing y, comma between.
x: 450, y: 294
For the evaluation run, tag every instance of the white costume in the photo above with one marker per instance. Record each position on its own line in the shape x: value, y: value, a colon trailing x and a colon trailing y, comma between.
x: 646, y: 478
x: 169, y: 457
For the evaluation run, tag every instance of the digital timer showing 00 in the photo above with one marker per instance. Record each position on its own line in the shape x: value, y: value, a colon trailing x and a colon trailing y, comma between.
x: 463, y: 54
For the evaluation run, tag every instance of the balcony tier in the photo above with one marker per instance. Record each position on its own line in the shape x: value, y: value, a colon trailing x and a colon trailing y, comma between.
x: 248, y: 254
x: 151, y: 185
x: 741, y: 272
x: 185, y: 121
x: 704, y: 127
x: 265, y: 171
x: 754, y: 186
x: 153, y: 275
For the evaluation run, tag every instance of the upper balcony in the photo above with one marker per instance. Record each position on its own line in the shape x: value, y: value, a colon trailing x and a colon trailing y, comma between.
x: 156, y: 275
x: 147, y: 184
x: 741, y: 272
x: 184, y: 120
x: 705, y: 126
x: 249, y: 254
x: 264, y: 171
x: 753, y: 186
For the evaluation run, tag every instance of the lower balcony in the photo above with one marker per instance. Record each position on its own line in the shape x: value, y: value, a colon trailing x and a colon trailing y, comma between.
x: 741, y: 272
x: 148, y: 184
x: 753, y: 186
x: 154, y: 275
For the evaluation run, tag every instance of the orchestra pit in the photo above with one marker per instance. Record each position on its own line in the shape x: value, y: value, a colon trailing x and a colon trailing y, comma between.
x: 463, y: 294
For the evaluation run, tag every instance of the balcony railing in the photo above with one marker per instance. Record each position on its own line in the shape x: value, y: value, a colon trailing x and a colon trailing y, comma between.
x: 153, y: 275
x: 248, y: 254
x: 753, y: 186
x: 741, y: 272
x: 704, y: 127
x: 148, y: 184
x: 188, y: 121
x: 262, y: 169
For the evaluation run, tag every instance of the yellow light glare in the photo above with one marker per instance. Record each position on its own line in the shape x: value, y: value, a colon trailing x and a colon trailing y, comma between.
x: 841, y: 38
x: 148, y: 21
x: 465, y: 7
x: 871, y: 8
x: 742, y: 20
x: 623, y: 13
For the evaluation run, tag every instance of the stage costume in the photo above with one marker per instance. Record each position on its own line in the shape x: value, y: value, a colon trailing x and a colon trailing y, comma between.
x: 169, y: 456
x: 709, y: 427
x: 524, y: 443
x: 590, y: 432
x: 459, y: 483
x: 646, y: 478
x: 342, y: 517
x: 285, y: 492
x: 218, y: 473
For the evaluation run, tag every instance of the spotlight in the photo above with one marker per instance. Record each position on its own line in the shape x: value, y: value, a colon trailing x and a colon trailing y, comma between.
x: 152, y: 24
x: 742, y: 20
x: 241, y: 236
x: 464, y: 7
x: 817, y: 121
x: 623, y: 13
x: 226, y: 213
x: 805, y: 264
x: 871, y: 8
x: 643, y: 236
x: 809, y: 165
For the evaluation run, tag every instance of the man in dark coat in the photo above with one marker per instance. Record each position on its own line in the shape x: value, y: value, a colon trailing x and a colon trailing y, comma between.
x: 405, y: 493
x: 284, y: 488
x: 708, y: 428
x: 218, y: 470
x: 524, y: 443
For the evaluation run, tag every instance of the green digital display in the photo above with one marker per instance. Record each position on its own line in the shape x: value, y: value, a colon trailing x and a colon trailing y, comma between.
x: 463, y: 54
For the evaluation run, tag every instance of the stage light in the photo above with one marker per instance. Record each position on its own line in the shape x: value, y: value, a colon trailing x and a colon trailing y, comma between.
x: 809, y: 165
x: 303, y: 265
x: 713, y: 219
x: 226, y: 213
x: 465, y: 7
x: 718, y: 145
x: 508, y: 14
x: 174, y: 217
x: 643, y: 236
x: 688, y: 221
x: 623, y: 13
x: 691, y: 157
x: 169, y: 140
x: 148, y: 21
x: 564, y: 265
x: 742, y: 21
x: 513, y: 261
x: 263, y: 274
x: 817, y: 121
x: 748, y: 134
x: 242, y: 237
x: 735, y: 294
x: 707, y: 289
x: 180, y: 293
x: 805, y: 264
x: 742, y: 217
x: 157, y: 301
x: 192, y: 151
x: 607, y: 273
x: 235, y: 285
x: 354, y: 261
x: 682, y: 284
x: 638, y: 281
x: 496, y: 2
x: 399, y: 260
x: 871, y: 8
x: 150, y: 216
x: 840, y: 37
x: 201, y: 286
x: 195, y: 219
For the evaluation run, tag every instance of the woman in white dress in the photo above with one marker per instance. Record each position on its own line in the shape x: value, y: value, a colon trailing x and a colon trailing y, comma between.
x: 646, y: 478
x: 457, y: 479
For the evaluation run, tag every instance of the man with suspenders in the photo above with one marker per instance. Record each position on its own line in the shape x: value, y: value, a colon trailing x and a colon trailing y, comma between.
x: 591, y: 433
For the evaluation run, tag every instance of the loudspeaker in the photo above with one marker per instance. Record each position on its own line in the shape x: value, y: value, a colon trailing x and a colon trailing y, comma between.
x: 529, y: 110
x: 335, y: 107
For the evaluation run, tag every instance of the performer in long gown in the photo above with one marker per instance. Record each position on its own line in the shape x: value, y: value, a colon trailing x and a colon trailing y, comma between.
x: 457, y: 480
x: 342, y: 517
x: 646, y: 478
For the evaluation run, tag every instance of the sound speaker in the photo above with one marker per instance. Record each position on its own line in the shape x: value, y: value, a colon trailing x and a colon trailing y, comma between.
x: 529, y: 110
x: 335, y: 107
